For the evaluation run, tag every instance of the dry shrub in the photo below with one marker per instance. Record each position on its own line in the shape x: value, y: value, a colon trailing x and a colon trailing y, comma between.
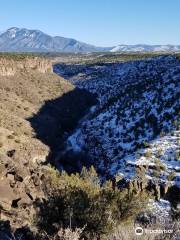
x: 69, y: 234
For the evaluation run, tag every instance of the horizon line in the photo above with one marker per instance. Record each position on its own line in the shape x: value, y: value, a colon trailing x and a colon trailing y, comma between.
x: 83, y: 41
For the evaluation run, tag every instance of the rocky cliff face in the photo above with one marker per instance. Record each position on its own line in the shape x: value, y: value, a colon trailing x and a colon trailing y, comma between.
x: 10, y: 66
x: 36, y: 109
x: 25, y: 84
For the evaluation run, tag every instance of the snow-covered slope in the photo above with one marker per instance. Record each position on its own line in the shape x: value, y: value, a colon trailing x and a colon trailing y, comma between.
x: 146, y: 48
x: 136, y: 120
x: 21, y: 39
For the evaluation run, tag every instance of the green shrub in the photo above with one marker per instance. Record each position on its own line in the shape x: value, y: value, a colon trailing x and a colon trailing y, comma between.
x: 177, y: 155
x: 171, y: 176
x: 176, y: 124
x: 155, y: 173
x: 162, y: 134
x: 80, y: 200
x: 159, y: 165
x: 145, y: 144
x: 148, y: 154
x: 159, y: 152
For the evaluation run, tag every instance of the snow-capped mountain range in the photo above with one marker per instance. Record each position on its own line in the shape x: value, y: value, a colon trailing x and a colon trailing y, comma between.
x: 24, y: 40
x: 146, y: 48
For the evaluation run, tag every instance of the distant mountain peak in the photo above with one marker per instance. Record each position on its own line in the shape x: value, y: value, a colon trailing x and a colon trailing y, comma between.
x: 24, y: 40
x: 12, y: 32
x: 12, y: 29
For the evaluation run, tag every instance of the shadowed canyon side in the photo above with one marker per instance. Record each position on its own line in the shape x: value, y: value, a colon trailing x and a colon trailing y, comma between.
x: 37, y: 109
x: 57, y: 118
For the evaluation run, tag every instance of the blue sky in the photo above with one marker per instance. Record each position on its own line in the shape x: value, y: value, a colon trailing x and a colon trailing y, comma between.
x: 99, y: 22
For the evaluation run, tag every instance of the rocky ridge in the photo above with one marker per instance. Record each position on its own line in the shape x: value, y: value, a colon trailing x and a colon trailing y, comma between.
x: 10, y: 66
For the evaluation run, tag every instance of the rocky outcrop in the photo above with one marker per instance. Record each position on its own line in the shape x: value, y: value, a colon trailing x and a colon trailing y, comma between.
x: 150, y: 186
x: 20, y: 186
x: 9, y: 66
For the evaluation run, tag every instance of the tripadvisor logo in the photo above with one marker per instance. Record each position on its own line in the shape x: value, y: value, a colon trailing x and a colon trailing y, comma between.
x: 138, y: 231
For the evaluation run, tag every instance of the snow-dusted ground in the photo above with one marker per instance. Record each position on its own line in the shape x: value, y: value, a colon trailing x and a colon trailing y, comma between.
x: 164, y: 151
x: 136, y: 120
x: 161, y: 208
